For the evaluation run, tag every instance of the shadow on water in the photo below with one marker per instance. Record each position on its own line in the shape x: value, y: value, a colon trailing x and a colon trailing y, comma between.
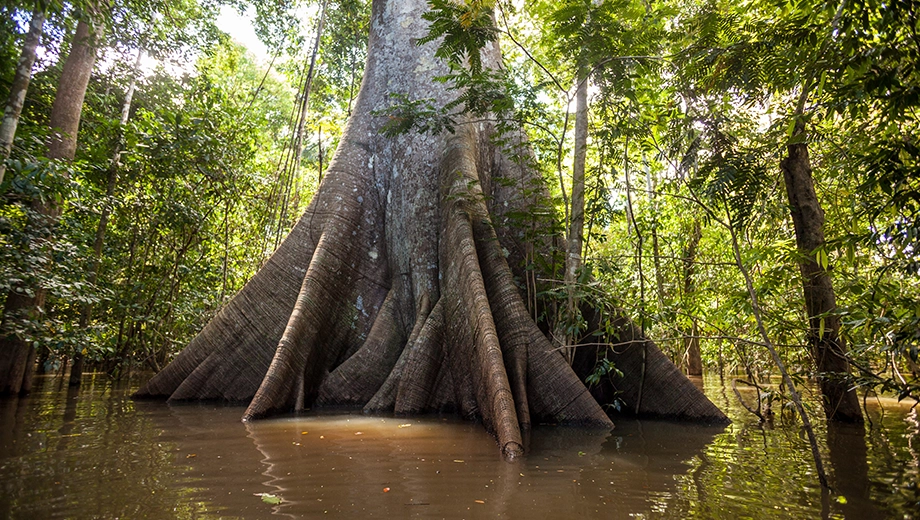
x: 849, y: 459
x: 89, y: 453
x: 97, y: 454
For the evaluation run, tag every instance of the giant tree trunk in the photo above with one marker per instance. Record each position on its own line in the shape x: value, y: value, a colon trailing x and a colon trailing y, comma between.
x: 827, y: 347
x: 395, y: 291
x: 17, y: 355
x: 19, y: 87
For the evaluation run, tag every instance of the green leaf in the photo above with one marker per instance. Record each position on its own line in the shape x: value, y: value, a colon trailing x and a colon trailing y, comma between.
x: 820, y: 87
x: 268, y: 498
x: 821, y: 258
x: 797, y: 138
x: 464, y: 29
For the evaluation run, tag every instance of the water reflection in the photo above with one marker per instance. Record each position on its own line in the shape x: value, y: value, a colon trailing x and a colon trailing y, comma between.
x: 220, y: 467
x: 849, y: 460
x: 96, y: 453
x: 83, y: 455
x: 352, y: 465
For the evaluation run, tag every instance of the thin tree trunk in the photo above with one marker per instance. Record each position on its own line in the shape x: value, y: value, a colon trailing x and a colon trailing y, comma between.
x: 692, y: 342
x: 308, y: 84
x: 640, y: 245
x: 15, y: 352
x: 319, y: 154
x: 19, y: 87
x: 651, y: 187
x: 297, y: 147
x: 575, y: 233
x: 790, y: 384
x: 42, y: 361
x: 128, y: 274
x: 223, y: 275
x: 827, y: 347
x: 68, y: 101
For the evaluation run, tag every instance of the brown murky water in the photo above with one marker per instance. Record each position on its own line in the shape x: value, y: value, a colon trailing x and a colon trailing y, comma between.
x: 98, y: 454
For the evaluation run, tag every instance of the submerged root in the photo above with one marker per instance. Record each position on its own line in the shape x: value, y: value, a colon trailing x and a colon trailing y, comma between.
x: 473, y: 347
x: 296, y: 357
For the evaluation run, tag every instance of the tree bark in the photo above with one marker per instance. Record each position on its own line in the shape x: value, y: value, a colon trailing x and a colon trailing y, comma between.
x: 827, y: 347
x: 19, y: 87
x: 575, y: 231
x: 651, y: 385
x: 68, y: 101
x: 396, y: 290
x: 27, y: 303
x: 692, y: 341
x: 651, y: 186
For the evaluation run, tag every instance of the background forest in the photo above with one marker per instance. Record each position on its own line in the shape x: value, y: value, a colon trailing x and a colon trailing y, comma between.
x: 194, y: 158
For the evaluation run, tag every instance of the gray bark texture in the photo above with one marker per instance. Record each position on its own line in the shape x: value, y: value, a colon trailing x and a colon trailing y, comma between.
x: 396, y: 290
x: 827, y: 347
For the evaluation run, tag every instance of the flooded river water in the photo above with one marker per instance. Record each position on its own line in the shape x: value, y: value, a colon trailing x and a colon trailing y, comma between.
x: 98, y: 454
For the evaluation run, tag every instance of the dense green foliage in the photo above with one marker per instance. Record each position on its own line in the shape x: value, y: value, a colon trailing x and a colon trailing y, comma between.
x: 200, y: 196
